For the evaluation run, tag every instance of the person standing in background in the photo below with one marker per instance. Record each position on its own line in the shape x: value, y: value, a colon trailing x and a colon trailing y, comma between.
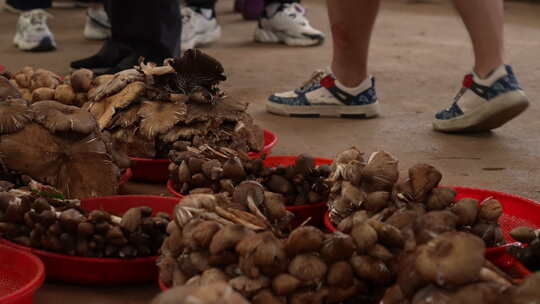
x: 139, y: 28
x: 282, y: 21
x: 33, y: 33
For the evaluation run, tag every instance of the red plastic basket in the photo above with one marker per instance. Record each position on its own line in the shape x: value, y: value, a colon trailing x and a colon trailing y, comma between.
x: 156, y: 170
x: 21, y: 274
x: 302, y: 212
x: 105, y: 271
x: 162, y: 285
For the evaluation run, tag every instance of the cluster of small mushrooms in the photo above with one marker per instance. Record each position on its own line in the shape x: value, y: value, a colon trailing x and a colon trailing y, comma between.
x: 36, y: 85
x: 208, y: 170
x: 529, y: 254
x: 42, y: 219
x: 403, y: 242
x: 149, y: 108
x: 414, y: 205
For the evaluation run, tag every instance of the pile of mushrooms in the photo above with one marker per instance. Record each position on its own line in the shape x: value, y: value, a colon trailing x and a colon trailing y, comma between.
x: 58, y: 145
x: 529, y: 255
x: 374, y: 187
x: 209, y: 294
x: 149, y: 108
x: 217, y: 238
x: 41, y: 220
x: 208, y: 170
x: 36, y: 85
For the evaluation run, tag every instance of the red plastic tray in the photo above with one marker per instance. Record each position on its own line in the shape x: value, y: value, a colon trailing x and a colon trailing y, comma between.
x: 104, y: 271
x: 302, y: 212
x: 21, y: 274
x: 156, y: 170
x: 125, y: 177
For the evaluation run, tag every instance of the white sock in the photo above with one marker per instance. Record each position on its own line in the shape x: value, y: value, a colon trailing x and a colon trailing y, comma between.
x: 364, y: 85
x: 492, y: 77
x: 207, y: 13
x: 271, y: 9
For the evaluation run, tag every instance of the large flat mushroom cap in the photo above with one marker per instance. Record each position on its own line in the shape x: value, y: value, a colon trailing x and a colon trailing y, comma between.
x: 90, y: 170
x: 105, y: 109
x: 58, y: 117
x: 118, y: 83
x: 33, y: 151
x: 126, y: 118
x: 185, y: 131
x: 158, y: 117
x: 14, y: 115
x: 226, y: 109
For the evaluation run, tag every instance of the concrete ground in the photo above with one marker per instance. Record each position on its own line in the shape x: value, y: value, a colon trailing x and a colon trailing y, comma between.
x: 420, y: 52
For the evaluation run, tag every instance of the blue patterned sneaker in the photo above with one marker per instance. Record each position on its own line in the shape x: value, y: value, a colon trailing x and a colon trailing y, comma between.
x: 483, y: 104
x: 322, y: 96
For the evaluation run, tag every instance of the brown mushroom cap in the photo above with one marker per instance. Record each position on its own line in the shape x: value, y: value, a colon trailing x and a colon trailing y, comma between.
x: 58, y: 117
x: 523, y: 234
x: 451, y: 259
x: 285, y: 284
x: 337, y: 246
x: 466, y: 210
x: 308, y: 268
x: 440, y: 198
x: 7, y: 89
x: 424, y: 178
x: 304, y: 239
x: 14, y: 115
x: 380, y: 173
x: 490, y: 210
x: 81, y: 80
x: 158, y: 117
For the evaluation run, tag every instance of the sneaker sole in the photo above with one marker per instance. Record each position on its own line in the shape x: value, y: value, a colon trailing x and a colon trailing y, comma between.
x: 46, y: 44
x: 489, y: 116
x: 202, y: 39
x: 266, y: 36
x: 364, y: 111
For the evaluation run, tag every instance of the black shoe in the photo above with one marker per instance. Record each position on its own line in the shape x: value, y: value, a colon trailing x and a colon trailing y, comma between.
x: 125, y: 63
x: 109, y: 56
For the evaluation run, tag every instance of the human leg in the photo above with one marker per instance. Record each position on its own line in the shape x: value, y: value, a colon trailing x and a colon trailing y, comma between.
x: 348, y: 91
x: 491, y: 95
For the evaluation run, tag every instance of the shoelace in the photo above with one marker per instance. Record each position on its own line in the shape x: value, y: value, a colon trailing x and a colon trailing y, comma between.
x: 467, y: 82
x: 295, y: 11
x: 315, y: 78
x: 37, y: 16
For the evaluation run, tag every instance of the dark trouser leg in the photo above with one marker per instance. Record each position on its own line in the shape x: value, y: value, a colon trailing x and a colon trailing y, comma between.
x: 151, y: 28
x: 26, y: 5
x: 209, y: 4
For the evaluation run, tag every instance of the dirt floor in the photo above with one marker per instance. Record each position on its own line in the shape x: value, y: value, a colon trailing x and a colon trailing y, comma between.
x: 420, y: 52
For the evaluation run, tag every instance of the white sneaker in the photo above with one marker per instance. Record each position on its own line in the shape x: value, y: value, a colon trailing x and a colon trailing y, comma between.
x: 288, y: 25
x: 483, y: 104
x: 98, y: 26
x: 323, y: 95
x: 198, y: 29
x: 33, y: 34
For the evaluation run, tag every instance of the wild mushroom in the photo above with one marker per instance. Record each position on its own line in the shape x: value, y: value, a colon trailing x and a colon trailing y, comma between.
x: 380, y: 173
x: 308, y: 268
x: 81, y: 80
x: 14, y: 115
x: 7, y: 89
x: 64, y: 94
x: 424, y: 178
x: 58, y: 117
x: 451, y: 259
x: 304, y: 239
x: 158, y: 117
x: 209, y: 294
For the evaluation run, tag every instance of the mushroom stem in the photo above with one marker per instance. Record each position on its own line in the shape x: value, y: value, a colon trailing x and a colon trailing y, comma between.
x: 487, y: 274
x: 231, y: 217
